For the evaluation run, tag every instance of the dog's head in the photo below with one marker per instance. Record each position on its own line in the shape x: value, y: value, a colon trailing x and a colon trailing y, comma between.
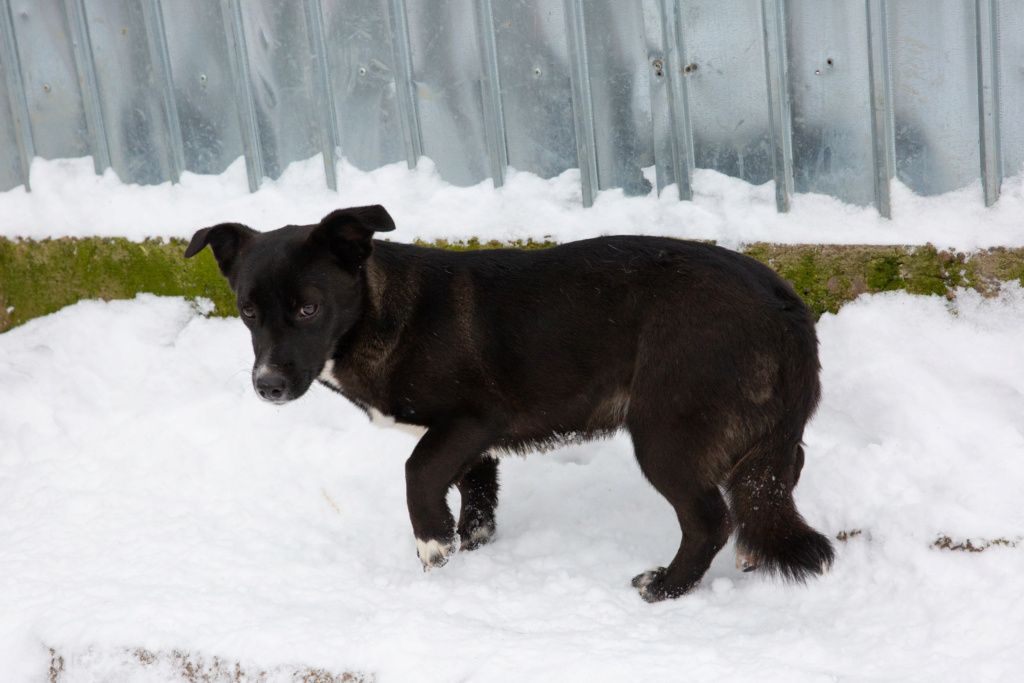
x: 299, y: 289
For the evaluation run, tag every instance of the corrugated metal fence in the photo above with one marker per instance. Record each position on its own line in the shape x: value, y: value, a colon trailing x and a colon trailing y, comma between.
x: 826, y: 96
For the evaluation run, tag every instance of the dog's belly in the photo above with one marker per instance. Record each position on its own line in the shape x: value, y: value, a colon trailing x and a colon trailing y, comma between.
x: 564, y: 421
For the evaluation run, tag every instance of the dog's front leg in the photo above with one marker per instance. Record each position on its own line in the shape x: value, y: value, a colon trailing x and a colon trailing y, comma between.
x: 437, y: 462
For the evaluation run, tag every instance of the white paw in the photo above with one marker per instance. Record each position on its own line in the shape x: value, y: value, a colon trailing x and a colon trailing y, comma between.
x: 433, y: 553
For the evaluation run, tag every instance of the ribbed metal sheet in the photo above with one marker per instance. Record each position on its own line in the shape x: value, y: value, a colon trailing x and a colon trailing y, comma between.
x: 831, y: 100
x: 203, y: 89
x: 448, y: 97
x: 825, y: 96
x: 361, y: 74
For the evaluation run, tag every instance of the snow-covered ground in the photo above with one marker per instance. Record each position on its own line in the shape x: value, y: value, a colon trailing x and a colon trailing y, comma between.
x: 68, y: 199
x: 150, y: 503
x: 149, y: 500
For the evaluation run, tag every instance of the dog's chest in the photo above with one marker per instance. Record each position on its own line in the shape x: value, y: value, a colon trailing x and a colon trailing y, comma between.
x: 351, y: 388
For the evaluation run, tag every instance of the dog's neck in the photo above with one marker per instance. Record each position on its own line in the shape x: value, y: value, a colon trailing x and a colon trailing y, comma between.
x: 389, y: 292
x: 363, y: 362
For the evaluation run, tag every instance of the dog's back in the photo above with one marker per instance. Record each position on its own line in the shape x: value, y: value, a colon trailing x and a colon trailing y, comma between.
x: 564, y: 338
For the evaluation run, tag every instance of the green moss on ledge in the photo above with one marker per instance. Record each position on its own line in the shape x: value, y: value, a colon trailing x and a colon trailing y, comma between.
x: 37, y: 278
x: 828, y: 276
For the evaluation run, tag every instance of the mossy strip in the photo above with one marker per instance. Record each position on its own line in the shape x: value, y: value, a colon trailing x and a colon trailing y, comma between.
x: 40, y: 277
x: 828, y: 276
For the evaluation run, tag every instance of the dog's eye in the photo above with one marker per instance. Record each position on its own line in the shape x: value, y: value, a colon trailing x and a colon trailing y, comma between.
x: 308, y: 310
x: 249, y: 311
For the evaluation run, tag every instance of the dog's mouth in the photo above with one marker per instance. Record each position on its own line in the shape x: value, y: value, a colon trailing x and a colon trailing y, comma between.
x: 278, y: 401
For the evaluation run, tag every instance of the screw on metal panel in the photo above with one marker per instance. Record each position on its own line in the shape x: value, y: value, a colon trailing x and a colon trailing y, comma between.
x: 537, y: 72
x: 362, y: 71
x: 690, y: 68
x: 46, y: 87
x: 202, y: 78
x: 658, y: 67
x: 817, y: 72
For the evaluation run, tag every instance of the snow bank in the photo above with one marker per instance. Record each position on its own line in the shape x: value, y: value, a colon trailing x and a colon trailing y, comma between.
x: 149, y: 500
x: 68, y: 199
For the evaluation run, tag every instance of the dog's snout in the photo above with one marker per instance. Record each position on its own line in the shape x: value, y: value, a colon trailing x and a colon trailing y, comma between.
x: 271, y: 385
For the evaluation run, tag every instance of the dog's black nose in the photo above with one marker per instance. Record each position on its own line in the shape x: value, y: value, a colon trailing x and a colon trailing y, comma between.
x: 271, y: 386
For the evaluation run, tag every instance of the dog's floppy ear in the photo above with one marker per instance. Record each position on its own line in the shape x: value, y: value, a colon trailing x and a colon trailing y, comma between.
x: 348, y: 233
x: 226, y: 240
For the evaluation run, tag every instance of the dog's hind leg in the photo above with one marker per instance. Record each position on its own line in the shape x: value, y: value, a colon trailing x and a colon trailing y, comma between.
x: 479, y: 490
x: 436, y: 464
x: 672, y: 464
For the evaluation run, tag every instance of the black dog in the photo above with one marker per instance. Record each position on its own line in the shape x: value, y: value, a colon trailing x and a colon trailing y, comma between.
x: 707, y: 357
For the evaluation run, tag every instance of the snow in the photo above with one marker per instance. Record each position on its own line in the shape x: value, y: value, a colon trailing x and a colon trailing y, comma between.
x: 68, y: 199
x: 150, y: 501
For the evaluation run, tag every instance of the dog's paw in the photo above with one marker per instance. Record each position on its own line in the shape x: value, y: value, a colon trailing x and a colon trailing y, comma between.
x: 476, y: 536
x: 433, y: 553
x: 651, y: 584
x: 745, y: 562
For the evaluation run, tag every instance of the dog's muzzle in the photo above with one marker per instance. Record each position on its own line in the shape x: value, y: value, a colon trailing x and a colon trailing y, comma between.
x: 271, y: 384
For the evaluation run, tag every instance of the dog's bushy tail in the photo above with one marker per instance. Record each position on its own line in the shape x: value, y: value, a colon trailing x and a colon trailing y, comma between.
x: 771, y: 535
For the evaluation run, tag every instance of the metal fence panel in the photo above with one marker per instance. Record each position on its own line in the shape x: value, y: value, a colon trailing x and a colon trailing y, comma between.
x: 725, y: 68
x: 1010, y: 75
x: 51, y: 83
x: 362, y: 76
x: 670, y: 110
x: 15, y: 137
x: 935, y: 89
x: 536, y: 94
x: 134, y: 124
x: 281, y: 82
x: 831, y: 107
x: 447, y: 74
x: 10, y: 157
x: 203, y: 90
x: 621, y: 96
x: 818, y: 95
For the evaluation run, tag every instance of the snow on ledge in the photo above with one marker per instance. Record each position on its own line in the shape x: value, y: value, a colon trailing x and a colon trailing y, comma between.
x: 69, y: 199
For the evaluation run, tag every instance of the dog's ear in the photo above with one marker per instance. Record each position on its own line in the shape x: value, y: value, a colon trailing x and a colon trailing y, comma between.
x: 348, y: 233
x: 226, y: 240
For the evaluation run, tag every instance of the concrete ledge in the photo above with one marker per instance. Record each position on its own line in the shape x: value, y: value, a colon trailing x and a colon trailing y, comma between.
x: 38, y: 278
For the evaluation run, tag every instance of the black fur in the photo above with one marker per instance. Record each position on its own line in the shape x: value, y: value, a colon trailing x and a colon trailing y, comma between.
x: 708, y: 359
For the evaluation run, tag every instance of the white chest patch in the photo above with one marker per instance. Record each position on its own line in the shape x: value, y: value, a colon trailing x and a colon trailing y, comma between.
x: 327, y: 375
x: 377, y: 418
